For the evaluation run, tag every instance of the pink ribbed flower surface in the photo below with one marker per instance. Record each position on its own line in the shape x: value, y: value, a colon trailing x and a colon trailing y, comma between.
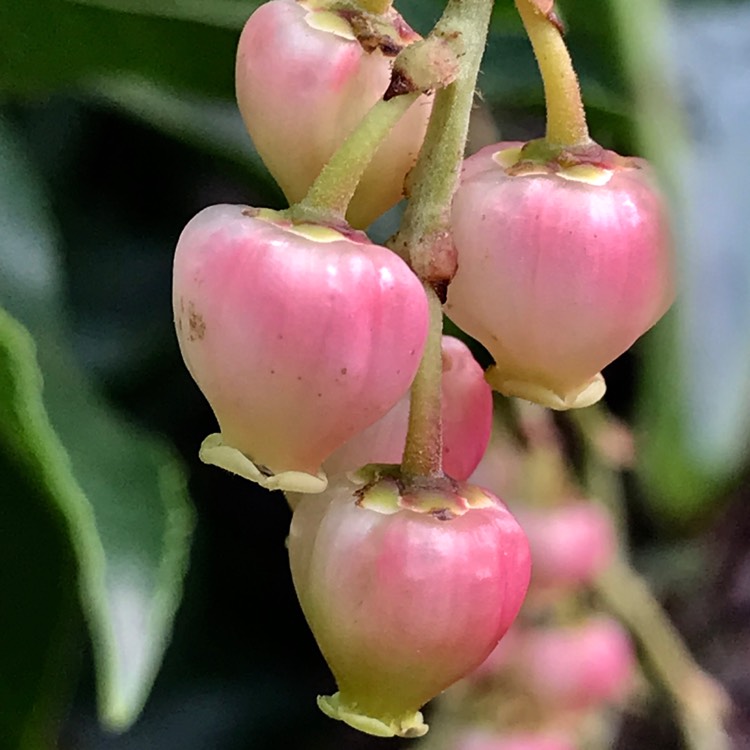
x: 467, y: 422
x: 559, y: 271
x: 403, y: 595
x: 299, y: 337
x: 303, y: 84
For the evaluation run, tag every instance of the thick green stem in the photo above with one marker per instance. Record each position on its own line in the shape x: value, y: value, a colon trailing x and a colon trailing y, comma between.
x: 434, y: 180
x: 330, y: 194
x: 423, y: 455
x: 566, y: 119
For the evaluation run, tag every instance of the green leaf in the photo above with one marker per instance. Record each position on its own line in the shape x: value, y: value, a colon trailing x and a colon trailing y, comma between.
x: 121, y: 491
x: 48, y: 44
x: 695, y: 405
x: 214, y: 125
x: 39, y: 613
x: 223, y: 14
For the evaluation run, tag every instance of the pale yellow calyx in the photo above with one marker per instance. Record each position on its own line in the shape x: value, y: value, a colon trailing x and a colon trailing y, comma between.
x: 507, y: 157
x: 513, y: 159
x: 316, y: 233
x: 325, y: 20
x: 587, y: 173
x: 313, y: 232
x: 575, y: 398
x: 216, y: 452
x: 408, y: 725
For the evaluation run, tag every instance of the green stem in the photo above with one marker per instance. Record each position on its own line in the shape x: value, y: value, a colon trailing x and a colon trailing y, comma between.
x: 330, y: 194
x: 566, y: 118
x: 700, y: 701
x: 434, y: 180
x: 436, y: 173
x: 423, y: 454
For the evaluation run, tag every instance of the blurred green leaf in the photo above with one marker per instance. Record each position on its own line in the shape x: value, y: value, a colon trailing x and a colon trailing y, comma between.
x: 47, y: 44
x: 224, y: 14
x: 695, y: 409
x: 38, y: 604
x: 121, y: 491
x: 213, y: 125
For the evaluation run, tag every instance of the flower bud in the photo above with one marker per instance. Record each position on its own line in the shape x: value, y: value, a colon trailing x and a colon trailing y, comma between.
x: 304, y: 82
x: 405, y: 594
x: 570, y: 544
x: 467, y: 422
x: 561, y: 267
x: 299, y: 337
x: 581, y: 666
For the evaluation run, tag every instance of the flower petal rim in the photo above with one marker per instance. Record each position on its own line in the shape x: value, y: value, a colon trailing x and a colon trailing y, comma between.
x: 216, y: 452
x: 408, y: 726
x: 584, y: 395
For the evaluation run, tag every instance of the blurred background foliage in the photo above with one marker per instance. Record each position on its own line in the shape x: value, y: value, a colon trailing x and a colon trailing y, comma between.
x: 117, y: 124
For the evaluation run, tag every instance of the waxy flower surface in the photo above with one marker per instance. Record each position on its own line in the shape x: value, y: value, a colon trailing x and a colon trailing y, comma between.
x: 299, y: 336
x: 404, y: 594
x: 560, y: 268
x: 304, y: 82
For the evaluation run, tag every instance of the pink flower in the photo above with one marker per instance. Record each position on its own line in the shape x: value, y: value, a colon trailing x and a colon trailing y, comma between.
x: 304, y: 82
x: 299, y: 337
x: 581, y: 666
x: 560, y: 269
x: 467, y: 422
x: 570, y: 544
x: 477, y: 740
x: 405, y: 595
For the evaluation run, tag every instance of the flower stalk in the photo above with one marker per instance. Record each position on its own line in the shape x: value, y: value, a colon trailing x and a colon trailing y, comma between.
x: 566, y: 118
x: 424, y: 232
x: 423, y: 454
x: 329, y: 196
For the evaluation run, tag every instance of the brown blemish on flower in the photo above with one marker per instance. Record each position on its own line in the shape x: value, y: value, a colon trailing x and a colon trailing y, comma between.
x: 373, y: 32
x: 443, y: 514
x: 196, y: 324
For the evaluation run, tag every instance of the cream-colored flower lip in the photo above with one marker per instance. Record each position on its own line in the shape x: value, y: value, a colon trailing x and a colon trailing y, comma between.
x: 576, y: 398
x: 216, y: 452
x: 410, y: 725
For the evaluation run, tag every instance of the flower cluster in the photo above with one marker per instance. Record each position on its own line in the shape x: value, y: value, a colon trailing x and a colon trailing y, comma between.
x: 321, y: 352
x: 563, y: 663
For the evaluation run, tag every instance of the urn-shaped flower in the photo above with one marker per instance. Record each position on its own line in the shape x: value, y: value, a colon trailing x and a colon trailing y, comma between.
x: 579, y: 666
x: 571, y: 544
x: 561, y: 267
x: 304, y: 81
x: 299, y: 336
x: 405, y: 595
